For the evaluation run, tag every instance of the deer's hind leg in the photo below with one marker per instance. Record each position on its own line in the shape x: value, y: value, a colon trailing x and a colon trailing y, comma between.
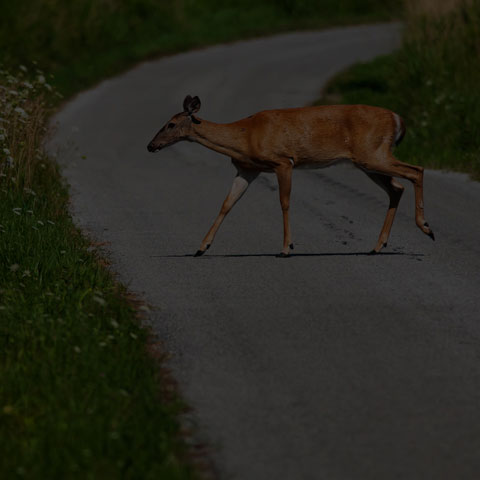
x: 388, y: 165
x: 394, y: 191
x: 284, y: 177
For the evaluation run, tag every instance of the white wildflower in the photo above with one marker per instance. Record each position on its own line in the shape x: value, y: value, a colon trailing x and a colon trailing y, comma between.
x: 114, y: 323
x: 26, y: 273
x: 77, y: 349
x: 48, y: 87
x: 14, y: 267
x: 2, y: 137
x: 21, y: 112
x: 17, y: 210
x: 50, y: 222
x: 6, y: 151
x: 99, y: 300
x: 40, y: 223
x: 23, y: 68
x: 28, y: 85
x: 41, y: 79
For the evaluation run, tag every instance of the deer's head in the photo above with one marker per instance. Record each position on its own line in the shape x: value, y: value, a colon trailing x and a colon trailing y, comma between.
x: 178, y: 127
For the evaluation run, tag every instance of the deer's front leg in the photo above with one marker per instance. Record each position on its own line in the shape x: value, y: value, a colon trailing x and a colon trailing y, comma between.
x: 284, y: 176
x: 240, y: 184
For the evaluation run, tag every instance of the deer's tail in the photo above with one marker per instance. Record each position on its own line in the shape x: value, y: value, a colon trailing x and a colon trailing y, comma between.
x: 399, y: 129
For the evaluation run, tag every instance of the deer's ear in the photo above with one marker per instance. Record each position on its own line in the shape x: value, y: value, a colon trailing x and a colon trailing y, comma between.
x: 191, y: 105
x: 186, y: 103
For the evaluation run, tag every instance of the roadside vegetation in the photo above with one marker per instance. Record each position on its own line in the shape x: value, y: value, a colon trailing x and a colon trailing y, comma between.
x: 79, y: 395
x: 84, y: 393
x: 432, y: 81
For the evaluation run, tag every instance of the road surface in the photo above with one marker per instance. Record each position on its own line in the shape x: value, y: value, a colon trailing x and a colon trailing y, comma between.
x: 328, y: 365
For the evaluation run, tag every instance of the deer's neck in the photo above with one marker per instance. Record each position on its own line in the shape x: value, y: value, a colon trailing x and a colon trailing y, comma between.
x: 229, y: 138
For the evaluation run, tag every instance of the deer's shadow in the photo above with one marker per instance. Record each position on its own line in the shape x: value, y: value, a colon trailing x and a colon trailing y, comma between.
x: 293, y: 255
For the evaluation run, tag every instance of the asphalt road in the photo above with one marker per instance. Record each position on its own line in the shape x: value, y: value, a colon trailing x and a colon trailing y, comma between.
x: 330, y: 364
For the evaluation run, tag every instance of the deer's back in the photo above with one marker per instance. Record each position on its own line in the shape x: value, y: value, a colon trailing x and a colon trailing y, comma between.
x: 320, y: 134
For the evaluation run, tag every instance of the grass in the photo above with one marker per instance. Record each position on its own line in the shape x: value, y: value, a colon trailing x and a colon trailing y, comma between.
x: 432, y: 81
x: 80, y: 394
x: 83, y: 390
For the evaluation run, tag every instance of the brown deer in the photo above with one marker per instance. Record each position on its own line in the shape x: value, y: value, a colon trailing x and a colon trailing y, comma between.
x: 309, y: 137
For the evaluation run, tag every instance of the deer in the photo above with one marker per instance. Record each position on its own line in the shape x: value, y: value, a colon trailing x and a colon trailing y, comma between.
x: 282, y: 140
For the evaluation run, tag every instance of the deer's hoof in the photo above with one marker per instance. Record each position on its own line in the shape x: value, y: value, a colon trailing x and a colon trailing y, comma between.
x: 431, y: 235
x: 283, y: 255
x: 372, y: 252
x: 199, y: 253
x: 291, y: 246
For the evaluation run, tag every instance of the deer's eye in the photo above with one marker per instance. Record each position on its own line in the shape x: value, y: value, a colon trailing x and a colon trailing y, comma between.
x: 171, y: 125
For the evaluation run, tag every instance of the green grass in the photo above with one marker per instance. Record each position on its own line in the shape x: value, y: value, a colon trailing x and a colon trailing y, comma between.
x: 79, y: 393
x: 82, y: 396
x: 432, y: 81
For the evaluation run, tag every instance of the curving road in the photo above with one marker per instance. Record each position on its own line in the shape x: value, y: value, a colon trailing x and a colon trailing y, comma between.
x: 331, y: 364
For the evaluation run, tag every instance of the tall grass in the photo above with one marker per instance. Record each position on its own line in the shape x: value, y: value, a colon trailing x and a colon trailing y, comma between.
x: 432, y: 82
x: 433, y: 8
x: 25, y: 99
x: 441, y: 55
